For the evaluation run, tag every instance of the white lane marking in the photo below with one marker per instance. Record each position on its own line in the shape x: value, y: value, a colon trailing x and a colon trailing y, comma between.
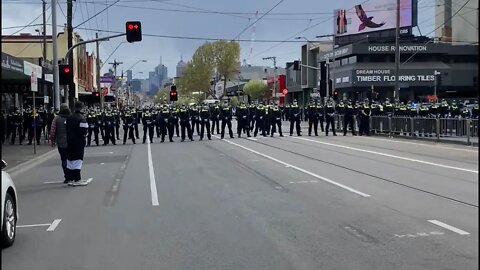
x: 33, y: 225
x: 300, y: 169
x: 53, y: 182
x: 252, y: 139
x: 102, y: 163
x: 99, y: 153
x: 303, y: 182
x: 388, y: 155
x: 54, y: 224
x: 422, y: 144
x: 153, y: 185
x: 448, y: 227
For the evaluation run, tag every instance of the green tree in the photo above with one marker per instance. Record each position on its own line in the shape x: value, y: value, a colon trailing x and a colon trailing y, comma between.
x: 227, y: 56
x: 161, y: 96
x: 256, y: 89
x: 234, y: 101
x: 221, y: 57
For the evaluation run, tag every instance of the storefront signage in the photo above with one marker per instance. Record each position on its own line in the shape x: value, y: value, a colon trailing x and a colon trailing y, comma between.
x: 390, y: 48
x: 387, y: 75
x: 29, y: 68
x: 12, y: 63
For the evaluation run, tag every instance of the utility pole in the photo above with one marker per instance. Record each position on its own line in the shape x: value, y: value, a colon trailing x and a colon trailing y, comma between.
x: 396, y: 93
x: 44, y: 32
x: 274, y: 58
x: 70, y: 94
x: 115, y: 64
x: 99, y: 89
x: 56, y: 82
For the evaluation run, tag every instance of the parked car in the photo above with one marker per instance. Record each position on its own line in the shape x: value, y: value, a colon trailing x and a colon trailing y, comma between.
x: 9, y: 209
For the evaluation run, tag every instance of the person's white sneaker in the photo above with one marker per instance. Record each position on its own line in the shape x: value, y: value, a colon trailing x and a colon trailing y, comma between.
x: 70, y: 183
x: 80, y: 183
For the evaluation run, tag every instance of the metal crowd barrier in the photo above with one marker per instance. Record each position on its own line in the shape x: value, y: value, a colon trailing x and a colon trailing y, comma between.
x: 448, y: 128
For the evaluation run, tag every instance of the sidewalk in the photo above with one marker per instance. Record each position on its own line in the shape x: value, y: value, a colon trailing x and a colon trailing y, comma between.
x: 17, y: 154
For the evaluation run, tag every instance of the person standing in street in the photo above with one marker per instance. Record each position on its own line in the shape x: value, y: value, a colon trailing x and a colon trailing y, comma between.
x: 77, y: 128
x: 205, y: 122
x: 185, y: 123
x: 312, y: 116
x: 243, y: 122
x: 276, y: 121
x: 330, y: 117
x: 349, y: 113
x: 226, y: 115
x: 58, y: 136
x: 294, y: 118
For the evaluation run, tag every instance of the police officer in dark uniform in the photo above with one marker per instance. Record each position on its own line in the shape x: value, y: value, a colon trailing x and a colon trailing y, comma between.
x: 348, y: 118
x: 116, y: 122
x: 92, y: 122
x: 205, y: 117
x: 185, y: 123
x: 252, y: 117
x: 312, y: 116
x: 175, y: 123
x: 195, y: 117
x: 138, y: 116
x: 454, y: 110
x: 35, y: 127
x: 109, y: 126
x: 260, y: 120
x: 276, y: 121
x: 155, y: 112
x: 215, y: 112
x: 444, y: 109
x: 330, y: 116
x: 321, y: 114
x: 128, y: 127
x: 294, y: 118
x: 365, y: 114
x: 148, y: 125
x: 475, y: 110
x: 243, y: 123
x: 226, y: 116
x: 165, y: 123
x: 16, y: 123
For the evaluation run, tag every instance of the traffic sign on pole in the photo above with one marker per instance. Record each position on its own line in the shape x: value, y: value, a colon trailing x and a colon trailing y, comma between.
x: 33, y: 82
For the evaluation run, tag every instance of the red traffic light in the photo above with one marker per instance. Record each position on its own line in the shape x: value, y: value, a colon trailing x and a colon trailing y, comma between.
x: 97, y: 94
x: 133, y: 31
x: 66, y: 70
x: 130, y: 26
x: 173, y: 93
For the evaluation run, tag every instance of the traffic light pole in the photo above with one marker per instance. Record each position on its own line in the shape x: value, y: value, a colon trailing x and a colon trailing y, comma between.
x: 88, y: 41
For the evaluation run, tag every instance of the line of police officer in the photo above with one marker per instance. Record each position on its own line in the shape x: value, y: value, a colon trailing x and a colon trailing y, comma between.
x: 26, y: 123
x: 260, y: 118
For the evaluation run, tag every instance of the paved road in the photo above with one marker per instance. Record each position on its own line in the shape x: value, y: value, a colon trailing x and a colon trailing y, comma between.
x: 259, y: 203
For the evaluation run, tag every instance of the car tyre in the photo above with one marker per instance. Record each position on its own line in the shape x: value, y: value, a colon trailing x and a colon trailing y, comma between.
x: 9, y: 222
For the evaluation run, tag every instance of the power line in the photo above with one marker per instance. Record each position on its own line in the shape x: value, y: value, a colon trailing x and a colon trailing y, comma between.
x: 98, y: 13
x: 29, y: 44
x: 248, y: 26
x: 58, y: 4
x: 29, y: 24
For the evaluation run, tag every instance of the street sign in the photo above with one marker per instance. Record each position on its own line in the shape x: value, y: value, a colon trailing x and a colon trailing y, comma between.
x: 106, y: 79
x: 46, y: 99
x: 33, y: 82
x: 285, y: 91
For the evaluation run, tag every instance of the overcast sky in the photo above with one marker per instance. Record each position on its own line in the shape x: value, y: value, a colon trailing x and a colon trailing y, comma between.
x: 307, y: 18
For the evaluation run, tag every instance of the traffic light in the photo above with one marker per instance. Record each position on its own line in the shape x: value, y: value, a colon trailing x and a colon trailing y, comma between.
x: 335, y: 95
x: 296, y: 65
x: 96, y: 97
x: 173, y: 93
x: 65, y: 74
x: 134, y: 31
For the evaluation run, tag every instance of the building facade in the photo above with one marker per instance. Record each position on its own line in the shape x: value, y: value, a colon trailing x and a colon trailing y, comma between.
x: 180, y: 66
x: 364, y: 70
x: 30, y: 47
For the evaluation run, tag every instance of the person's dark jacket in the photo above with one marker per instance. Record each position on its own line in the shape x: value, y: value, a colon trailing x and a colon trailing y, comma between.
x: 77, y: 129
x: 58, y: 131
